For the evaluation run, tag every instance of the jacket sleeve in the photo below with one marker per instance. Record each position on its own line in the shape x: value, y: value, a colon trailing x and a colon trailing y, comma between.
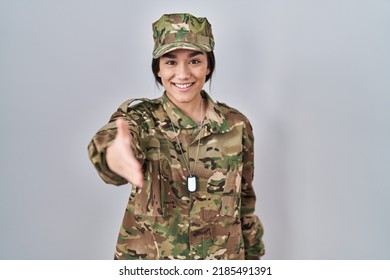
x: 252, y: 228
x: 105, y: 136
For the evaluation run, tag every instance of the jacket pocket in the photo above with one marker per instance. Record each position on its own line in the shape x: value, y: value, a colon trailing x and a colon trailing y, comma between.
x: 147, y: 199
x: 223, y: 189
x: 230, y: 197
x: 154, y: 198
x: 165, y: 188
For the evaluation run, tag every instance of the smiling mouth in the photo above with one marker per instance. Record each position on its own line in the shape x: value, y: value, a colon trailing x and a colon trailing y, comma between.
x: 183, y: 86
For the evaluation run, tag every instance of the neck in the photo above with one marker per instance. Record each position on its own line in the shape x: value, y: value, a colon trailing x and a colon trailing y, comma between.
x: 196, y: 110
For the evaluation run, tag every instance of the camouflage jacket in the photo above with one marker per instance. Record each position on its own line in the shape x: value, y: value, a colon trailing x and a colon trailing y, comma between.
x: 162, y: 219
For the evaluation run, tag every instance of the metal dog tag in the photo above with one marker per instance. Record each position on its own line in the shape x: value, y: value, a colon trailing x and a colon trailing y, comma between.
x: 192, y: 183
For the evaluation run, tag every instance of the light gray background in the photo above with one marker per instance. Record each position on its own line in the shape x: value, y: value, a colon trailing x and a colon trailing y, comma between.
x: 312, y: 76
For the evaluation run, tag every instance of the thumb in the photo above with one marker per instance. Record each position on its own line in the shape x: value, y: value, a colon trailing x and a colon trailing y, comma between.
x: 122, y: 129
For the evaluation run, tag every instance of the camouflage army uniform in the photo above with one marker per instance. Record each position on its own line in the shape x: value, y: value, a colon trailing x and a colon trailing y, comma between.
x: 163, y: 220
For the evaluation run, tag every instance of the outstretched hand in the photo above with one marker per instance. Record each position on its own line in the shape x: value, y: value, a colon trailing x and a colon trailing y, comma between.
x: 121, y: 158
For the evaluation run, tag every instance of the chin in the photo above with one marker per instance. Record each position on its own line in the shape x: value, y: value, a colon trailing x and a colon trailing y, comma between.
x: 184, y: 100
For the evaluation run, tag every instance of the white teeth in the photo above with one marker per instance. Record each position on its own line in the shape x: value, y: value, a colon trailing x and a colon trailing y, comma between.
x: 183, y: 86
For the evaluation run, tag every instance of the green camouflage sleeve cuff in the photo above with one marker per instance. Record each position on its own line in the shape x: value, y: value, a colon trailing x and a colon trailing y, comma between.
x: 253, y: 232
x: 97, y: 153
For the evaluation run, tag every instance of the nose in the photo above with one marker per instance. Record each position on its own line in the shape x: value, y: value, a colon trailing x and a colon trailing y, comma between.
x: 183, y: 71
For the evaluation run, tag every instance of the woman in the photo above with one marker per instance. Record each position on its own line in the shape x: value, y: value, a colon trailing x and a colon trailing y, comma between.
x: 189, y: 159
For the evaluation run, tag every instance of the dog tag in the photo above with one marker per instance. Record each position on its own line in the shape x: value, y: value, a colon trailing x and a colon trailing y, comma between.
x: 192, y: 183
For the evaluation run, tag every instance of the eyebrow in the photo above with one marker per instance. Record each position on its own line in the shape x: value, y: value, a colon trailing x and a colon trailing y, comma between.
x: 172, y: 56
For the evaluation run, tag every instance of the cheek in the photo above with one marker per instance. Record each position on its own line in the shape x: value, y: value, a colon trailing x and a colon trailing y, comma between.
x: 202, y: 73
x: 161, y: 70
x: 165, y: 74
x: 164, y: 78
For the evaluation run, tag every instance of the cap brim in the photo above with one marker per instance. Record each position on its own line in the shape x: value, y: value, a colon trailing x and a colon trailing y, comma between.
x: 175, y: 46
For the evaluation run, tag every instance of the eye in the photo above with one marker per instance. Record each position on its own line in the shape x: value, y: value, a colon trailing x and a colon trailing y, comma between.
x: 194, y: 61
x: 170, y: 62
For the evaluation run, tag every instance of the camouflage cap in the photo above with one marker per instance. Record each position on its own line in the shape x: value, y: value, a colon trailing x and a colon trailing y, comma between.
x: 181, y: 31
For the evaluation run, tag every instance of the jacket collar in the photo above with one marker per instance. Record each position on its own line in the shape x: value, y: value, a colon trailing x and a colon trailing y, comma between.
x: 215, y: 121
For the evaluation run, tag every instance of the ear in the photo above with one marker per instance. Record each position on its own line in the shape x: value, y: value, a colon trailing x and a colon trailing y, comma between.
x: 208, y: 71
x: 158, y: 74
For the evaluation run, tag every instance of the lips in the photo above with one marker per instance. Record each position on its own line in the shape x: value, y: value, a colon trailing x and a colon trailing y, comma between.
x: 183, y: 86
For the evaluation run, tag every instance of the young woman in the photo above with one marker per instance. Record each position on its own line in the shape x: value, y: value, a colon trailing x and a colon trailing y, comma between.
x: 189, y: 159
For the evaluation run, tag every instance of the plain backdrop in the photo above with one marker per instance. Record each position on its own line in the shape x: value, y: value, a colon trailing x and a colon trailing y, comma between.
x: 311, y: 75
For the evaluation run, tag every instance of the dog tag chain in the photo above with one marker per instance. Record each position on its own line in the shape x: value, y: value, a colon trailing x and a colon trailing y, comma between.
x: 192, y: 180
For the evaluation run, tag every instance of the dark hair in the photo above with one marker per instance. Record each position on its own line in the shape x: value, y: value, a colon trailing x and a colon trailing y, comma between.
x: 210, y: 65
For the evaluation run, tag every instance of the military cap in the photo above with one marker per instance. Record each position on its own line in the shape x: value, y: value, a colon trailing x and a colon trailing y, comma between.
x: 181, y: 31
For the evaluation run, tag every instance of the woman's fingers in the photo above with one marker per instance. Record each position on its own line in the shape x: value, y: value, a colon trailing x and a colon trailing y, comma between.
x: 120, y: 157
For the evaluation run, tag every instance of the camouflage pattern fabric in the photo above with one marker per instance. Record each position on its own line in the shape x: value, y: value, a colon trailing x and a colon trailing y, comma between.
x: 181, y: 31
x: 162, y: 219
